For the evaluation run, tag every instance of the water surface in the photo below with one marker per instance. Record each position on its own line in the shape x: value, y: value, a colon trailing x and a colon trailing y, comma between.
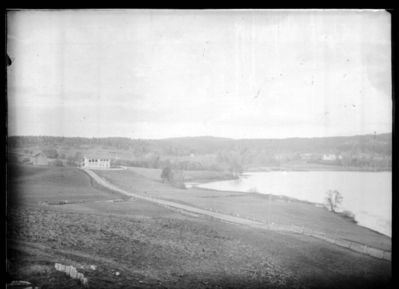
x: 366, y: 194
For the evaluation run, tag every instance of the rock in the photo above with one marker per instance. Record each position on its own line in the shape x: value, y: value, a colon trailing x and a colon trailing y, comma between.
x: 84, y: 281
x: 19, y: 283
x: 117, y: 273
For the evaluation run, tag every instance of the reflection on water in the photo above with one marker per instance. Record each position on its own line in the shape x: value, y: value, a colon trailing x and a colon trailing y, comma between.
x: 366, y: 194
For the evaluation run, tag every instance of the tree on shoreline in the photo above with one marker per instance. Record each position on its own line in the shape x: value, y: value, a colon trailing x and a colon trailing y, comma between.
x: 333, y: 199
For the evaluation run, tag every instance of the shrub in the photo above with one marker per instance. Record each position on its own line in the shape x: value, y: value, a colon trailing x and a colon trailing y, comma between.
x: 349, y: 216
x: 167, y: 174
x: 51, y: 153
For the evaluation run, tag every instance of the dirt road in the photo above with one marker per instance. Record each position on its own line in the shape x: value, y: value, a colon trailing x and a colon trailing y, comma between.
x: 223, y: 217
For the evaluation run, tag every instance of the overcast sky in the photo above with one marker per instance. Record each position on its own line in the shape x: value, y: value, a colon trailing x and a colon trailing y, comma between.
x: 240, y: 74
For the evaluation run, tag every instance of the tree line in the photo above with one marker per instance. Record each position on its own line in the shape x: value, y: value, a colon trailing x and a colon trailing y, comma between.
x: 209, y: 153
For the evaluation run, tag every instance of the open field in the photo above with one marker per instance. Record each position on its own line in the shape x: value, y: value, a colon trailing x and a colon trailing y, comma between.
x: 155, y: 247
x: 192, y: 175
x: 28, y: 184
x: 252, y: 206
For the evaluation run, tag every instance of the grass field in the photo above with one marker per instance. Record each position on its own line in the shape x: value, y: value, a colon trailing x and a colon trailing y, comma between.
x: 155, y: 247
x: 251, y: 205
x: 28, y: 184
x: 198, y: 176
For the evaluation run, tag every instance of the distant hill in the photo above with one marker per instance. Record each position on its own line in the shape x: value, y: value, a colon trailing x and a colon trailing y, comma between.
x: 380, y: 143
x: 361, y: 151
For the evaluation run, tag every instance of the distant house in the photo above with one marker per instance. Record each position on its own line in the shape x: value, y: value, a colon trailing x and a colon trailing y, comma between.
x: 39, y: 159
x: 95, y: 163
x: 331, y: 157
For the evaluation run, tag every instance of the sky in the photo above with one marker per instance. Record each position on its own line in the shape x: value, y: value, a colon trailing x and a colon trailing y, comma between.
x: 173, y: 73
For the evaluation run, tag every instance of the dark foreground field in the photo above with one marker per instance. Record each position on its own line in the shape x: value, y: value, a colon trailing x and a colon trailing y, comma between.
x: 156, y: 247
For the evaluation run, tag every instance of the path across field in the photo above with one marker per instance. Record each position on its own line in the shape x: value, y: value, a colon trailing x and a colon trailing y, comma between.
x: 378, y: 253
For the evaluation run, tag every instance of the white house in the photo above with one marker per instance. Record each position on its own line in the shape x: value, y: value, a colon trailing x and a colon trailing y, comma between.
x: 95, y: 163
x: 331, y: 157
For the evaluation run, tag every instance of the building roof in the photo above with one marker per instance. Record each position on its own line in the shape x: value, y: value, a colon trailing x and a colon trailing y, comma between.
x: 39, y: 154
x: 96, y: 157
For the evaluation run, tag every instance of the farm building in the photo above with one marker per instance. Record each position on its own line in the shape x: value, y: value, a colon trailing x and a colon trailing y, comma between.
x: 39, y: 159
x: 95, y: 163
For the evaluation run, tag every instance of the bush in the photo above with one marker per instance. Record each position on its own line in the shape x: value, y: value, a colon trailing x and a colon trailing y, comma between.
x: 58, y: 163
x: 51, y: 153
x: 167, y: 174
x: 349, y: 216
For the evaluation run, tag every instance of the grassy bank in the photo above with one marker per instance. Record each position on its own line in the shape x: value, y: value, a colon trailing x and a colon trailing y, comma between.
x: 281, y: 211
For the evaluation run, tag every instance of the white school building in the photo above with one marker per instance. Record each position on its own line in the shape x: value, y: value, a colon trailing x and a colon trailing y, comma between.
x: 95, y: 163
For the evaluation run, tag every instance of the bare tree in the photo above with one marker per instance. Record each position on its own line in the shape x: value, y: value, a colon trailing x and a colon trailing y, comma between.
x: 333, y: 199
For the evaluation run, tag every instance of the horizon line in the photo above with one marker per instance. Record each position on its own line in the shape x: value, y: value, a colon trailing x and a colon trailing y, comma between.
x: 203, y: 136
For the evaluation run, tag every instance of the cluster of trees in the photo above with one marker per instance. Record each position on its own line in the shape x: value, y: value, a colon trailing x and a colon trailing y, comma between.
x: 366, y: 161
x: 157, y: 163
x: 51, y: 153
x: 70, y: 160
x: 173, y: 177
x: 359, y: 161
x: 228, y: 154
x: 232, y: 160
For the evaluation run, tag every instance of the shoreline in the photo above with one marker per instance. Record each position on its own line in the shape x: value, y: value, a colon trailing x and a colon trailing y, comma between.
x: 315, y: 169
x: 217, y: 178
x: 197, y: 178
x: 273, y: 197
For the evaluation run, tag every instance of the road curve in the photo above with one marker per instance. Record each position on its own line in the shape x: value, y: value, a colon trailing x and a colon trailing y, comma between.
x: 223, y: 217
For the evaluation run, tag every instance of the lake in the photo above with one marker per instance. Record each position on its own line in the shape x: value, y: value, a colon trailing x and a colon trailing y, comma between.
x: 368, y: 195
